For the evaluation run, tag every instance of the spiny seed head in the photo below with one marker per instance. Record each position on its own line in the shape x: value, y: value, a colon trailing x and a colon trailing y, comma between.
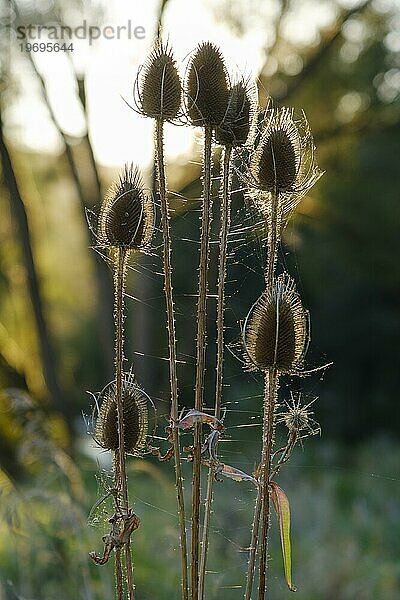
x: 135, y: 418
x: 127, y: 215
x: 277, y: 158
x: 297, y: 416
x: 235, y: 127
x: 276, y: 329
x: 283, y: 163
x: 296, y: 419
x: 207, y: 86
x: 160, y: 88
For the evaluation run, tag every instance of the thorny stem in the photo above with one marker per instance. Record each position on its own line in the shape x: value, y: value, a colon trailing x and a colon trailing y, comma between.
x: 225, y: 225
x: 172, y: 351
x: 272, y: 251
x: 223, y: 251
x: 201, y: 355
x: 271, y: 389
x: 253, y: 547
x: 119, y: 286
x: 273, y: 240
x: 119, y: 587
x: 286, y: 454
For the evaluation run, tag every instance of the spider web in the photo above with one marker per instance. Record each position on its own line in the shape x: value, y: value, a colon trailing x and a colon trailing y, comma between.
x: 308, y: 479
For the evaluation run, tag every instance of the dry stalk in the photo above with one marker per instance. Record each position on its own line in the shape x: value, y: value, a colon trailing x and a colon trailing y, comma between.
x: 270, y: 394
x: 262, y: 500
x: 225, y: 224
x: 118, y: 571
x: 119, y: 588
x: 201, y: 355
x: 168, y: 291
x: 119, y: 283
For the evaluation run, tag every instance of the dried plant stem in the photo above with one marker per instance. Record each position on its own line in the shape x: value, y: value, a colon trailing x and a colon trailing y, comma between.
x: 172, y: 350
x: 121, y: 260
x: 253, y: 546
x: 129, y: 570
x: 223, y: 251
x: 274, y: 227
x: 274, y: 221
x: 119, y: 587
x: 271, y: 389
x: 201, y: 355
x: 225, y: 225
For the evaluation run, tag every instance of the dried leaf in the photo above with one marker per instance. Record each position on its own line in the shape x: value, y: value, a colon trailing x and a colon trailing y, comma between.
x: 236, y: 474
x: 281, y: 504
x: 195, y: 416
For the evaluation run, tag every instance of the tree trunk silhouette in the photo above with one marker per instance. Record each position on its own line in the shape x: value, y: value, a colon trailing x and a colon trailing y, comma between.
x: 105, y: 298
x: 47, y: 352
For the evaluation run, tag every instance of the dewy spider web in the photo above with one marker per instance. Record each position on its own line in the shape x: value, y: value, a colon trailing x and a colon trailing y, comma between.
x: 233, y: 501
x: 240, y: 445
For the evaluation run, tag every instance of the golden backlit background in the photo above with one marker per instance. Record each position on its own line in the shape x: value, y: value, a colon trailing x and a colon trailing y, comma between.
x: 66, y: 130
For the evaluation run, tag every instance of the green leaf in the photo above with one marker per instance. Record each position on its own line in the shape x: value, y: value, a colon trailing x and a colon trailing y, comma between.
x: 281, y: 504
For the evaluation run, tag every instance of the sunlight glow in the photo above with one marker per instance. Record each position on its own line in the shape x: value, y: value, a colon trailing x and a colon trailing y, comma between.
x: 119, y: 134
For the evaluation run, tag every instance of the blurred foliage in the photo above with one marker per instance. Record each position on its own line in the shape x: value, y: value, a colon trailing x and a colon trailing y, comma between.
x: 345, y: 510
x: 341, y: 247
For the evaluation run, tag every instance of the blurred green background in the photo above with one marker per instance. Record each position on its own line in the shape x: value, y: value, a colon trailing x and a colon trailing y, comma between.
x: 65, y: 132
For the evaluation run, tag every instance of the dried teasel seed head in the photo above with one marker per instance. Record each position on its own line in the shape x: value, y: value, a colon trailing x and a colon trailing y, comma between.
x: 283, y: 163
x: 297, y: 416
x: 135, y: 418
x: 276, y: 329
x: 160, y: 89
x: 235, y: 127
x: 277, y: 158
x: 127, y: 216
x: 207, y: 86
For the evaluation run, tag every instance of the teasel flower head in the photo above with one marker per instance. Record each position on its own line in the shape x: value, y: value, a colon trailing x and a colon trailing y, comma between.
x: 135, y: 417
x: 276, y: 329
x: 297, y: 417
x: 235, y: 127
x: 207, y: 86
x: 283, y: 163
x: 158, y: 87
x: 126, y: 219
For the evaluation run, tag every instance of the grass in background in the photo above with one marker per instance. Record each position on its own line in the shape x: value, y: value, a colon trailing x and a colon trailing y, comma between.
x: 344, y: 530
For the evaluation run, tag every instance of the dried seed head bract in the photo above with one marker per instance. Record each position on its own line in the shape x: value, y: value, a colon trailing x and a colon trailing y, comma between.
x: 276, y: 329
x: 283, y: 163
x: 126, y: 217
x: 207, y: 86
x: 136, y: 404
x: 158, y: 88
